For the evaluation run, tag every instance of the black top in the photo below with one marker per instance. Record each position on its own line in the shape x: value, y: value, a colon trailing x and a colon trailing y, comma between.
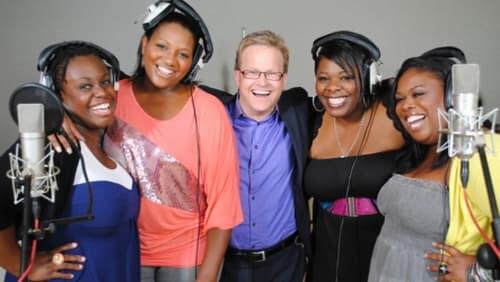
x: 327, y: 179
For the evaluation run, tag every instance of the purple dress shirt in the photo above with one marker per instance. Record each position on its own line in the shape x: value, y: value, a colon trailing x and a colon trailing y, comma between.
x: 266, y: 180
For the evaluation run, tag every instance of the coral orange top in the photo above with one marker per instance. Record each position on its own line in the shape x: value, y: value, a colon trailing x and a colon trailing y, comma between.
x: 177, y: 206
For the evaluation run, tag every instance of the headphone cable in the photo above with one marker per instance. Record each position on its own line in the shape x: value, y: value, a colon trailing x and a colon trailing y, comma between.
x: 348, y: 188
x: 198, y: 149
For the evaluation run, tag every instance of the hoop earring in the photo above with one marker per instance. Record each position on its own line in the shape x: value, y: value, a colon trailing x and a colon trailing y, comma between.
x: 317, y: 108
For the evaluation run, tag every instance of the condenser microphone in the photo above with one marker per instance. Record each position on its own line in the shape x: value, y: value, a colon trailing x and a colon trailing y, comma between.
x: 32, y: 140
x: 465, y: 116
x: 37, y: 112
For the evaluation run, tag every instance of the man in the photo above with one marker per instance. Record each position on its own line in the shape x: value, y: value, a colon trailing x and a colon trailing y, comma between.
x: 271, y: 130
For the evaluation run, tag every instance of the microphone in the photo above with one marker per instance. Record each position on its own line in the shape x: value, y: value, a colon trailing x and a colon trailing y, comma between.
x: 37, y: 111
x: 464, y: 117
x: 32, y: 140
x: 466, y: 136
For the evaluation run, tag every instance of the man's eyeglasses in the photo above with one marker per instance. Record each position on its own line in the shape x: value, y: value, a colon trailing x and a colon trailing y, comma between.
x: 253, y: 74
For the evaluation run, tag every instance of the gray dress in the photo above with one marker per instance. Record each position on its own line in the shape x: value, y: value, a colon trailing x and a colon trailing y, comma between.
x: 416, y: 214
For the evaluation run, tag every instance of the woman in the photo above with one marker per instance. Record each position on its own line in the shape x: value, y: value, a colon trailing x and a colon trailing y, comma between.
x: 105, y: 248
x: 352, y: 154
x: 424, y: 204
x: 177, y: 142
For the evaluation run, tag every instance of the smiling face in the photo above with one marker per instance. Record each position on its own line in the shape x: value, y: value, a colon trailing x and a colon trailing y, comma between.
x: 419, y: 94
x: 259, y: 96
x: 88, y: 93
x: 337, y: 89
x: 167, y: 54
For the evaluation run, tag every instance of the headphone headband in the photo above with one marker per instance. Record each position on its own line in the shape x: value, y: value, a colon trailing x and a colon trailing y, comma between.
x: 449, y: 52
x: 49, y: 53
x: 456, y: 56
x: 370, y: 76
x: 159, y: 10
x: 355, y: 38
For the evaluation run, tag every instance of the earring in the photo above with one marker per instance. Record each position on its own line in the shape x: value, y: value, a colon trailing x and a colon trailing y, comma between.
x: 315, y: 106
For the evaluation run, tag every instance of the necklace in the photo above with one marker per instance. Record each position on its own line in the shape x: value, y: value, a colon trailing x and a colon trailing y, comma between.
x: 345, y: 153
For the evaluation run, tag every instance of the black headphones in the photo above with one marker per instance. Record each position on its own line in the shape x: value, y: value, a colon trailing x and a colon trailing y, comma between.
x: 456, y: 56
x: 370, y: 73
x: 49, y: 53
x: 162, y: 8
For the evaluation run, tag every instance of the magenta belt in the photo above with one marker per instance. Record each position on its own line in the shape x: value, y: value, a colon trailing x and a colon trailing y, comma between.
x: 354, y: 206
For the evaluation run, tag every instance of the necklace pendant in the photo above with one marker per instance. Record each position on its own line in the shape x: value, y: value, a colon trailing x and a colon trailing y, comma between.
x: 345, y: 153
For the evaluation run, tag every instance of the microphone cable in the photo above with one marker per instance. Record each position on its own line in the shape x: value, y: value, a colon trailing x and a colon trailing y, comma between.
x: 25, y: 274
x: 485, y: 236
x: 90, y: 202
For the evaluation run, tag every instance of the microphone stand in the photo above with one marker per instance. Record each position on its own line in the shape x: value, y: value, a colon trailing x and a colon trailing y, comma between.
x: 31, y: 208
x: 25, y: 183
x: 492, y: 265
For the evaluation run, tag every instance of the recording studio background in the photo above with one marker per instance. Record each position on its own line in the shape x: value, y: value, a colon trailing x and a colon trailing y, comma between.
x: 400, y: 28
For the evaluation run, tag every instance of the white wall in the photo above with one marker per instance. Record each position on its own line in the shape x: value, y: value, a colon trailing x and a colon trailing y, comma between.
x: 400, y: 28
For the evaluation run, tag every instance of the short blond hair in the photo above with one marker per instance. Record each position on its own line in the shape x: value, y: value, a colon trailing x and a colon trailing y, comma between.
x: 266, y: 38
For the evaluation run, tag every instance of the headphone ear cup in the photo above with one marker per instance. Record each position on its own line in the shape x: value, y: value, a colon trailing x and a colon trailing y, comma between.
x: 371, y: 81
x: 374, y: 77
x: 448, y: 98
x: 196, y: 64
x: 46, y: 80
x: 116, y: 86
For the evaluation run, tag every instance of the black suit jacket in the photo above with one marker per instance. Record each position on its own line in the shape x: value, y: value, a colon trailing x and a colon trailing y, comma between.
x: 294, y: 110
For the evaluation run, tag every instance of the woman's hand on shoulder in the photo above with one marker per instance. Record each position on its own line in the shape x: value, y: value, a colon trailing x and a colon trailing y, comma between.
x: 450, y: 259
x: 51, y: 265
x: 60, y: 140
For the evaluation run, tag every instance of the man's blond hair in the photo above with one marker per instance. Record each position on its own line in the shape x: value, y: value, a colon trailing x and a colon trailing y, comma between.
x: 266, y: 38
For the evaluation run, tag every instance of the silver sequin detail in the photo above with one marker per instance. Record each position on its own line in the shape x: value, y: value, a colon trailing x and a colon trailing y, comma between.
x: 161, y: 178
